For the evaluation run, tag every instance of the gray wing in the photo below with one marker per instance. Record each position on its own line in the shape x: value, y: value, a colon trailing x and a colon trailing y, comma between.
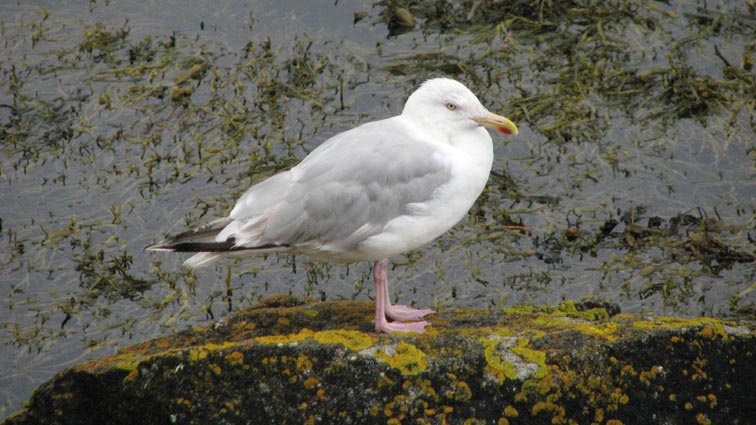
x: 345, y: 191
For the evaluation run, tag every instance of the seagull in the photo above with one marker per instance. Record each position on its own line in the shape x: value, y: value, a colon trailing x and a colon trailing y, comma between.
x: 377, y: 190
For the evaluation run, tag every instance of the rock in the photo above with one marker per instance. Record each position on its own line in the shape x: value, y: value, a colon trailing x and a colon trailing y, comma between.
x: 292, y: 360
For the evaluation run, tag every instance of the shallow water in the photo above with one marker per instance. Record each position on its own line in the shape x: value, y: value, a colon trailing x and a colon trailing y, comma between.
x: 124, y: 121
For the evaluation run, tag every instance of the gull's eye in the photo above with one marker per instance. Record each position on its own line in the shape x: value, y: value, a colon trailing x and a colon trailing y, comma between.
x: 451, y: 106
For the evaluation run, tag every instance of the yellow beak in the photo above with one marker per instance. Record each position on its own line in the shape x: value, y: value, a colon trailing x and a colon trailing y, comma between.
x: 498, y: 123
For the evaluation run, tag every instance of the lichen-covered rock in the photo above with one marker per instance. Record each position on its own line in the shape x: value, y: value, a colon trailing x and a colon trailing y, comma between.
x: 298, y: 361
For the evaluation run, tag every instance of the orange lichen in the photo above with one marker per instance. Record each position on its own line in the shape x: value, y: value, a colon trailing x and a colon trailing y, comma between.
x: 215, y: 368
x: 511, y: 411
x: 702, y: 419
x: 311, y: 382
x: 235, y: 358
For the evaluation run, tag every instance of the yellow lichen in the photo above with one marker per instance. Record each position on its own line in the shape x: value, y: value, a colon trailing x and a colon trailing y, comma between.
x: 712, y: 399
x: 285, y: 339
x: 201, y: 352
x: 183, y: 401
x: 605, y: 330
x: 352, y: 340
x: 674, y: 323
x: 132, y: 376
x: 531, y: 356
x: 129, y: 363
x: 197, y: 354
x: 502, y: 369
x: 495, y: 365
x: 569, y: 309
x: 519, y: 309
x: 384, y: 382
x: 215, y: 347
x: 459, y: 392
x: 407, y: 358
x: 545, y: 406
x: 647, y: 376
x: 304, y: 363
x: 714, y: 331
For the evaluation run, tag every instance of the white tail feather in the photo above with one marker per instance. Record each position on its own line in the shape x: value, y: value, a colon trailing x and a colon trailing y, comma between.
x: 202, y: 259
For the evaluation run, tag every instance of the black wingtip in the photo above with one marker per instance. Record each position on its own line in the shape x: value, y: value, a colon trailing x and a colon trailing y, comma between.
x: 172, y: 246
x: 180, y: 244
x: 195, y: 240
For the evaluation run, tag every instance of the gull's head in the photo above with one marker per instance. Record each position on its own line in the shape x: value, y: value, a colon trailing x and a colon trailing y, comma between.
x: 446, y: 104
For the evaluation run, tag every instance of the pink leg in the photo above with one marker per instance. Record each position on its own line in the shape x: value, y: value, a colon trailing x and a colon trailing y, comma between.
x: 402, y: 313
x: 384, y: 309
